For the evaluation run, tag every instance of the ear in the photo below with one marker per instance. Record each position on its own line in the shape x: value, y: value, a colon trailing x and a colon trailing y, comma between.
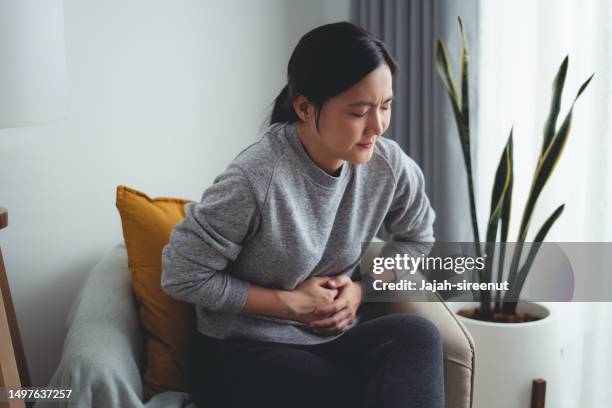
x: 302, y: 107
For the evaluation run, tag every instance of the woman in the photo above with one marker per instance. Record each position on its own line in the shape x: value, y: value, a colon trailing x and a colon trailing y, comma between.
x: 270, y: 256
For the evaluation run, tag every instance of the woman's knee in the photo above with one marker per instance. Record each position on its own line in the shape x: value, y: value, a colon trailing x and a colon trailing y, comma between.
x: 413, y: 329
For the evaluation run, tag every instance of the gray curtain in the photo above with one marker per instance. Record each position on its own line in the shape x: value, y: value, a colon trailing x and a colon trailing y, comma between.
x: 422, y: 121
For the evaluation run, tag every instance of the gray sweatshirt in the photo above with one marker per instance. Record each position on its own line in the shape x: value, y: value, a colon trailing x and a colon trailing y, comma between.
x: 273, y: 218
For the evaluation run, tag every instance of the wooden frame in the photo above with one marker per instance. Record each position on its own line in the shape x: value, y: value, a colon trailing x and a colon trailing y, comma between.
x: 13, y: 367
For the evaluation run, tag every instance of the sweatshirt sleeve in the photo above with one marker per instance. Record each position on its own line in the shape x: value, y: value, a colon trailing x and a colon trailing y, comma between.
x: 410, y: 217
x: 211, y: 235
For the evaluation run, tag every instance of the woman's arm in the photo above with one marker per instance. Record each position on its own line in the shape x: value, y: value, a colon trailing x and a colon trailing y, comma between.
x: 410, y: 217
x: 298, y: 304
x: 207, y: 240
x: 212, y: 235
x: 265, y: 301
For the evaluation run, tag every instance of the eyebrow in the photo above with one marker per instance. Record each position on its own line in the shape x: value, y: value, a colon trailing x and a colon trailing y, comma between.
x: 366, y: 103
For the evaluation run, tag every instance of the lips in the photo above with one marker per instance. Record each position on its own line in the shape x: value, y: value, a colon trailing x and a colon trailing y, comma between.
x: 365, y: 145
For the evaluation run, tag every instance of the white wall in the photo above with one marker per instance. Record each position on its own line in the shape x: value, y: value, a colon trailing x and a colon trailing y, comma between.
x: 163, y: 95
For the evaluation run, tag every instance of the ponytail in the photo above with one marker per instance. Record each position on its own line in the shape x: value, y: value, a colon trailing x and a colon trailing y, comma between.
x: 283, y: 108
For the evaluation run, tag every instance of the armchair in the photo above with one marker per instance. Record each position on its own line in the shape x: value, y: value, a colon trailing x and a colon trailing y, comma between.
x: 101, y: 360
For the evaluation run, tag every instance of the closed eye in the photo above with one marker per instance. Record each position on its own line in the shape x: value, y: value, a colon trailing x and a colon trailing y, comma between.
x: 361, y: 115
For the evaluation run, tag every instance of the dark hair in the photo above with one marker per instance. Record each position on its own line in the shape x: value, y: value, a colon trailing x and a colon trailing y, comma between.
x: 327, y: 61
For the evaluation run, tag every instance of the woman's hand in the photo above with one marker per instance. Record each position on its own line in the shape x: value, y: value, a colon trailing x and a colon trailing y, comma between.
x: 314, y: 292
x: 337, y: 316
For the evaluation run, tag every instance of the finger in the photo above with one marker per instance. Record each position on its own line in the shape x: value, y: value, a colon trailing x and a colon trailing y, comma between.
x: 333, y: 294
x: 332, y: 320
x: 339, y: 281
x: 321, y: 279
x: 332, y: 308
x: 330, y: 289
x: 340, y: 327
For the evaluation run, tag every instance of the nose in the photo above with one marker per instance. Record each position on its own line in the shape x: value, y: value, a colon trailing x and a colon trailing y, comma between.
x: 375, y: 123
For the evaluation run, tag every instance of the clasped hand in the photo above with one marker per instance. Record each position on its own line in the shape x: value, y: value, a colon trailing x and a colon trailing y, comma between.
x: 327, y: 304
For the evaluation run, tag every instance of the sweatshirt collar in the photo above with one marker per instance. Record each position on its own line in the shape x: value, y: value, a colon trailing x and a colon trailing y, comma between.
x: 317, y: 174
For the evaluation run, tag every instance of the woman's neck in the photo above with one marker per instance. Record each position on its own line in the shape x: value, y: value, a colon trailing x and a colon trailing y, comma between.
x: 316, y: 151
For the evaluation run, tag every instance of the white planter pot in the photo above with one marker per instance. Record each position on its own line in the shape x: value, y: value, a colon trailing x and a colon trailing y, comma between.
x: 509, y: 356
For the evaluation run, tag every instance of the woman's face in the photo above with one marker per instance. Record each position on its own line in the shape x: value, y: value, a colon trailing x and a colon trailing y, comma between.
x: 350, y: 123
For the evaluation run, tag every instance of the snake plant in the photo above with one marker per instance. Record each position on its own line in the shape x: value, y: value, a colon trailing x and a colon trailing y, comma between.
x: 554, y: 141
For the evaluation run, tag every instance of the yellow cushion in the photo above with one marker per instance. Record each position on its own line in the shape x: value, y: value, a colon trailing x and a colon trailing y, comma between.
x: 169, y: 323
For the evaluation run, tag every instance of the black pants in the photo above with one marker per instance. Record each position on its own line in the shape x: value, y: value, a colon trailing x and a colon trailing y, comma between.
x: 392, y: 361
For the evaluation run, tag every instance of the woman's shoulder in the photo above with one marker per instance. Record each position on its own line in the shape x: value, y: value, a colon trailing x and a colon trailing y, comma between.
x: 391, y: 156
x: 263, y: 155
x: 256, y: 162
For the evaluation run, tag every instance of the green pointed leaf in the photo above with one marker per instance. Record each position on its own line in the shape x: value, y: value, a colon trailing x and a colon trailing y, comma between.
x: 465, y: 93
x: 555, y: 106
x: 517, y: 286
x: 500, y: 187
x: 464, y: 131
x: 551, y: 155
x: 548, y: 224
x: 584, y: 85
x: 505, y: 220
x: 546, y: 165
x: 507, y: 205
x: 461, y: 29
x: 444, y: 72
x: 461, y: 112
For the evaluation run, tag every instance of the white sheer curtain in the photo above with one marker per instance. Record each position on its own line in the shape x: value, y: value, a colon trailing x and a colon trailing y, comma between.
x: 522, y: 43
